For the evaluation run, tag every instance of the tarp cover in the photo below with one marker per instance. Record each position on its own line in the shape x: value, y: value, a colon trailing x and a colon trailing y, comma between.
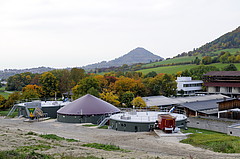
x: 88, y: 105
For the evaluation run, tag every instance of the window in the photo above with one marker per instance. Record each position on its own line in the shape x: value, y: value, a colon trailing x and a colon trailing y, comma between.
x: 229, y: 89
x: 217, y: 89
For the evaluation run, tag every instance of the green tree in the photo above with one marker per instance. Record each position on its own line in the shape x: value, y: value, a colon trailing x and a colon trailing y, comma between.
x: 151, y: 74
x: 84, y: 85
x: 230, y: 67
x: 231, y: 59
x: 12, y: 99
x: 206, y: 60
x: 93, y: 92
x: 65, y: 82
x: 197, y: 61
x: 126, y: 98
x: 169, y: 85
x: 49, y: 84
x: 77, y: 74
x: 224, y: 58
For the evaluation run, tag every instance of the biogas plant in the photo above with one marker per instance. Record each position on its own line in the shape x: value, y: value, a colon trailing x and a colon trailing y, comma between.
x: 90, y: 109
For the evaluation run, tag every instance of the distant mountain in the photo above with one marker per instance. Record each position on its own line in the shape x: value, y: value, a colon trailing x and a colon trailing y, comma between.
x: 138, y: 55
x: 227, y: 41
x: 4, y: 74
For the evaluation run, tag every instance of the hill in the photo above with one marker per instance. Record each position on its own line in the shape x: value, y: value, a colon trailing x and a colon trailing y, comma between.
x: 230, y: 40
x: 4, y: 74
x: 138, y: 55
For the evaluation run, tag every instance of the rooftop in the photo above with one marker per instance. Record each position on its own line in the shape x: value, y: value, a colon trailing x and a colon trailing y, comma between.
x: 142, y: 117
x: 223, y: 73
x: 164, y: 101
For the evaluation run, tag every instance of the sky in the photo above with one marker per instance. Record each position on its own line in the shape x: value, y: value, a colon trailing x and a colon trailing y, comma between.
x: 75, y: 33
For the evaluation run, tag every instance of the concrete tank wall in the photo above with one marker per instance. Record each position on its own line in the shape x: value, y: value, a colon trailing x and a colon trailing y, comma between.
x: 79, y: 118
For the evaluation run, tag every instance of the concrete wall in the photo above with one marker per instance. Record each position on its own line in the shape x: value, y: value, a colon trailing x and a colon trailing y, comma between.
x: 219, y: 125
x: 234, y: 130
x: 139, y: 127
x: 78, y: 118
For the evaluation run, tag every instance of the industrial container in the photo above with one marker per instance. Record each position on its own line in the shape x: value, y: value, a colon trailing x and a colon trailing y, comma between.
x: 166, y: 122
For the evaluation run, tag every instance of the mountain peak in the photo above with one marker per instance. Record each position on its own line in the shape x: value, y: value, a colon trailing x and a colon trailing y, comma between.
x: 137, y: 55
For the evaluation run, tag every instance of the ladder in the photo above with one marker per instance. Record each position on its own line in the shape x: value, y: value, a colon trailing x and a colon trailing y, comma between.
x: 105, y: 120
x: 11, y: 111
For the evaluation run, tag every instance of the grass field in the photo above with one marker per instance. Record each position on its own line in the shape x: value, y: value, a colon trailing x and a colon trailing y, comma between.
x: 188, y: 58
x: 174, y: 60
x: 168, y: 69
x: 211, y: 140
x: 175, y: 69
x: 4, y: 94
x: 232, y: 51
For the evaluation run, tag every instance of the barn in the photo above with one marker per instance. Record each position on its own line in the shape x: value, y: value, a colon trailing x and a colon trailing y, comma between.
x: 86, y: 109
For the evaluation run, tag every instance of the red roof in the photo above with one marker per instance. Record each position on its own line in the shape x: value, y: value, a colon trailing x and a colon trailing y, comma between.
x: 221, y: 84
x: 223, y: 73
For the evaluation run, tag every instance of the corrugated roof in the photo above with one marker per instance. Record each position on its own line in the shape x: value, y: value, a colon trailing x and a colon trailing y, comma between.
x: 223, y: 73
x: 202, y: 105
x: 163, y: 101
x: 88, y: 105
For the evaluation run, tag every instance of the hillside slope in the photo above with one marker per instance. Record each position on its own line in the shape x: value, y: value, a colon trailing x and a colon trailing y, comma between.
x: 226, y: 41
x: 138, y: 55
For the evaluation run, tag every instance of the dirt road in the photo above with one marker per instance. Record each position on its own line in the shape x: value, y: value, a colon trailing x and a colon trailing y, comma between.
x: 141, y: 144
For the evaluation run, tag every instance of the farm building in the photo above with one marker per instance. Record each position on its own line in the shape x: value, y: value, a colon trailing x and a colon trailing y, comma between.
x: 188, y: 86
x: 49, y: 108
x: 229, y: 108
x: 87, y: 109
x: 142, y: 121
x: 224, y: 82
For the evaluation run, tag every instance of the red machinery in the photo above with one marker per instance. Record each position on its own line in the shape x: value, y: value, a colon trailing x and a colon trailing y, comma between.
x: 166, y: 122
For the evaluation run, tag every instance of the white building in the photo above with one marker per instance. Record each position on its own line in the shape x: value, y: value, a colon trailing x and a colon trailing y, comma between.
x: 188, y: 85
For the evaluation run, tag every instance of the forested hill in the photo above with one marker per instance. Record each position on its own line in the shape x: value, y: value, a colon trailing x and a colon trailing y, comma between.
x: 227, y: 41
x: 138, y: 55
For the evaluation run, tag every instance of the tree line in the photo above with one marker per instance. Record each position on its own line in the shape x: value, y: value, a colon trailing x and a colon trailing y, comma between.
x: 122, y: 89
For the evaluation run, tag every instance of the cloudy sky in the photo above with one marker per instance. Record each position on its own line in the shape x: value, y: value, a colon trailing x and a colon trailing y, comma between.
x: 70, y: 33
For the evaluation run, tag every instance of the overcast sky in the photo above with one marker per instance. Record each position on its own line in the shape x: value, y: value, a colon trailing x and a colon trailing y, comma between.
x: 70, y: 33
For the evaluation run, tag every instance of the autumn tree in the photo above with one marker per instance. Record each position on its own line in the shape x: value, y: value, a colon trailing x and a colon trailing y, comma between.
x: 138, y: 102
x: 206, y: 60
x: 49, y: 84
x: 2, y: 101
x: 110, y: 98
x: 18, y: 81
x: 124, y: 84
x: 32, y: 91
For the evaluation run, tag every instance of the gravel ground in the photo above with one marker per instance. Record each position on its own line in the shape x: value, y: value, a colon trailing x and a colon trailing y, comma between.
x: 141, y: 144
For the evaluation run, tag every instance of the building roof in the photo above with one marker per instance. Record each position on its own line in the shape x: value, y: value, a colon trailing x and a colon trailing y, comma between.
x: 163, y: 101
x: 223, y: 73
x: 157, y: 101
x: 144, y: 117
x: 221, y: 84
x: 88, y: 105
x: 202, y: 105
